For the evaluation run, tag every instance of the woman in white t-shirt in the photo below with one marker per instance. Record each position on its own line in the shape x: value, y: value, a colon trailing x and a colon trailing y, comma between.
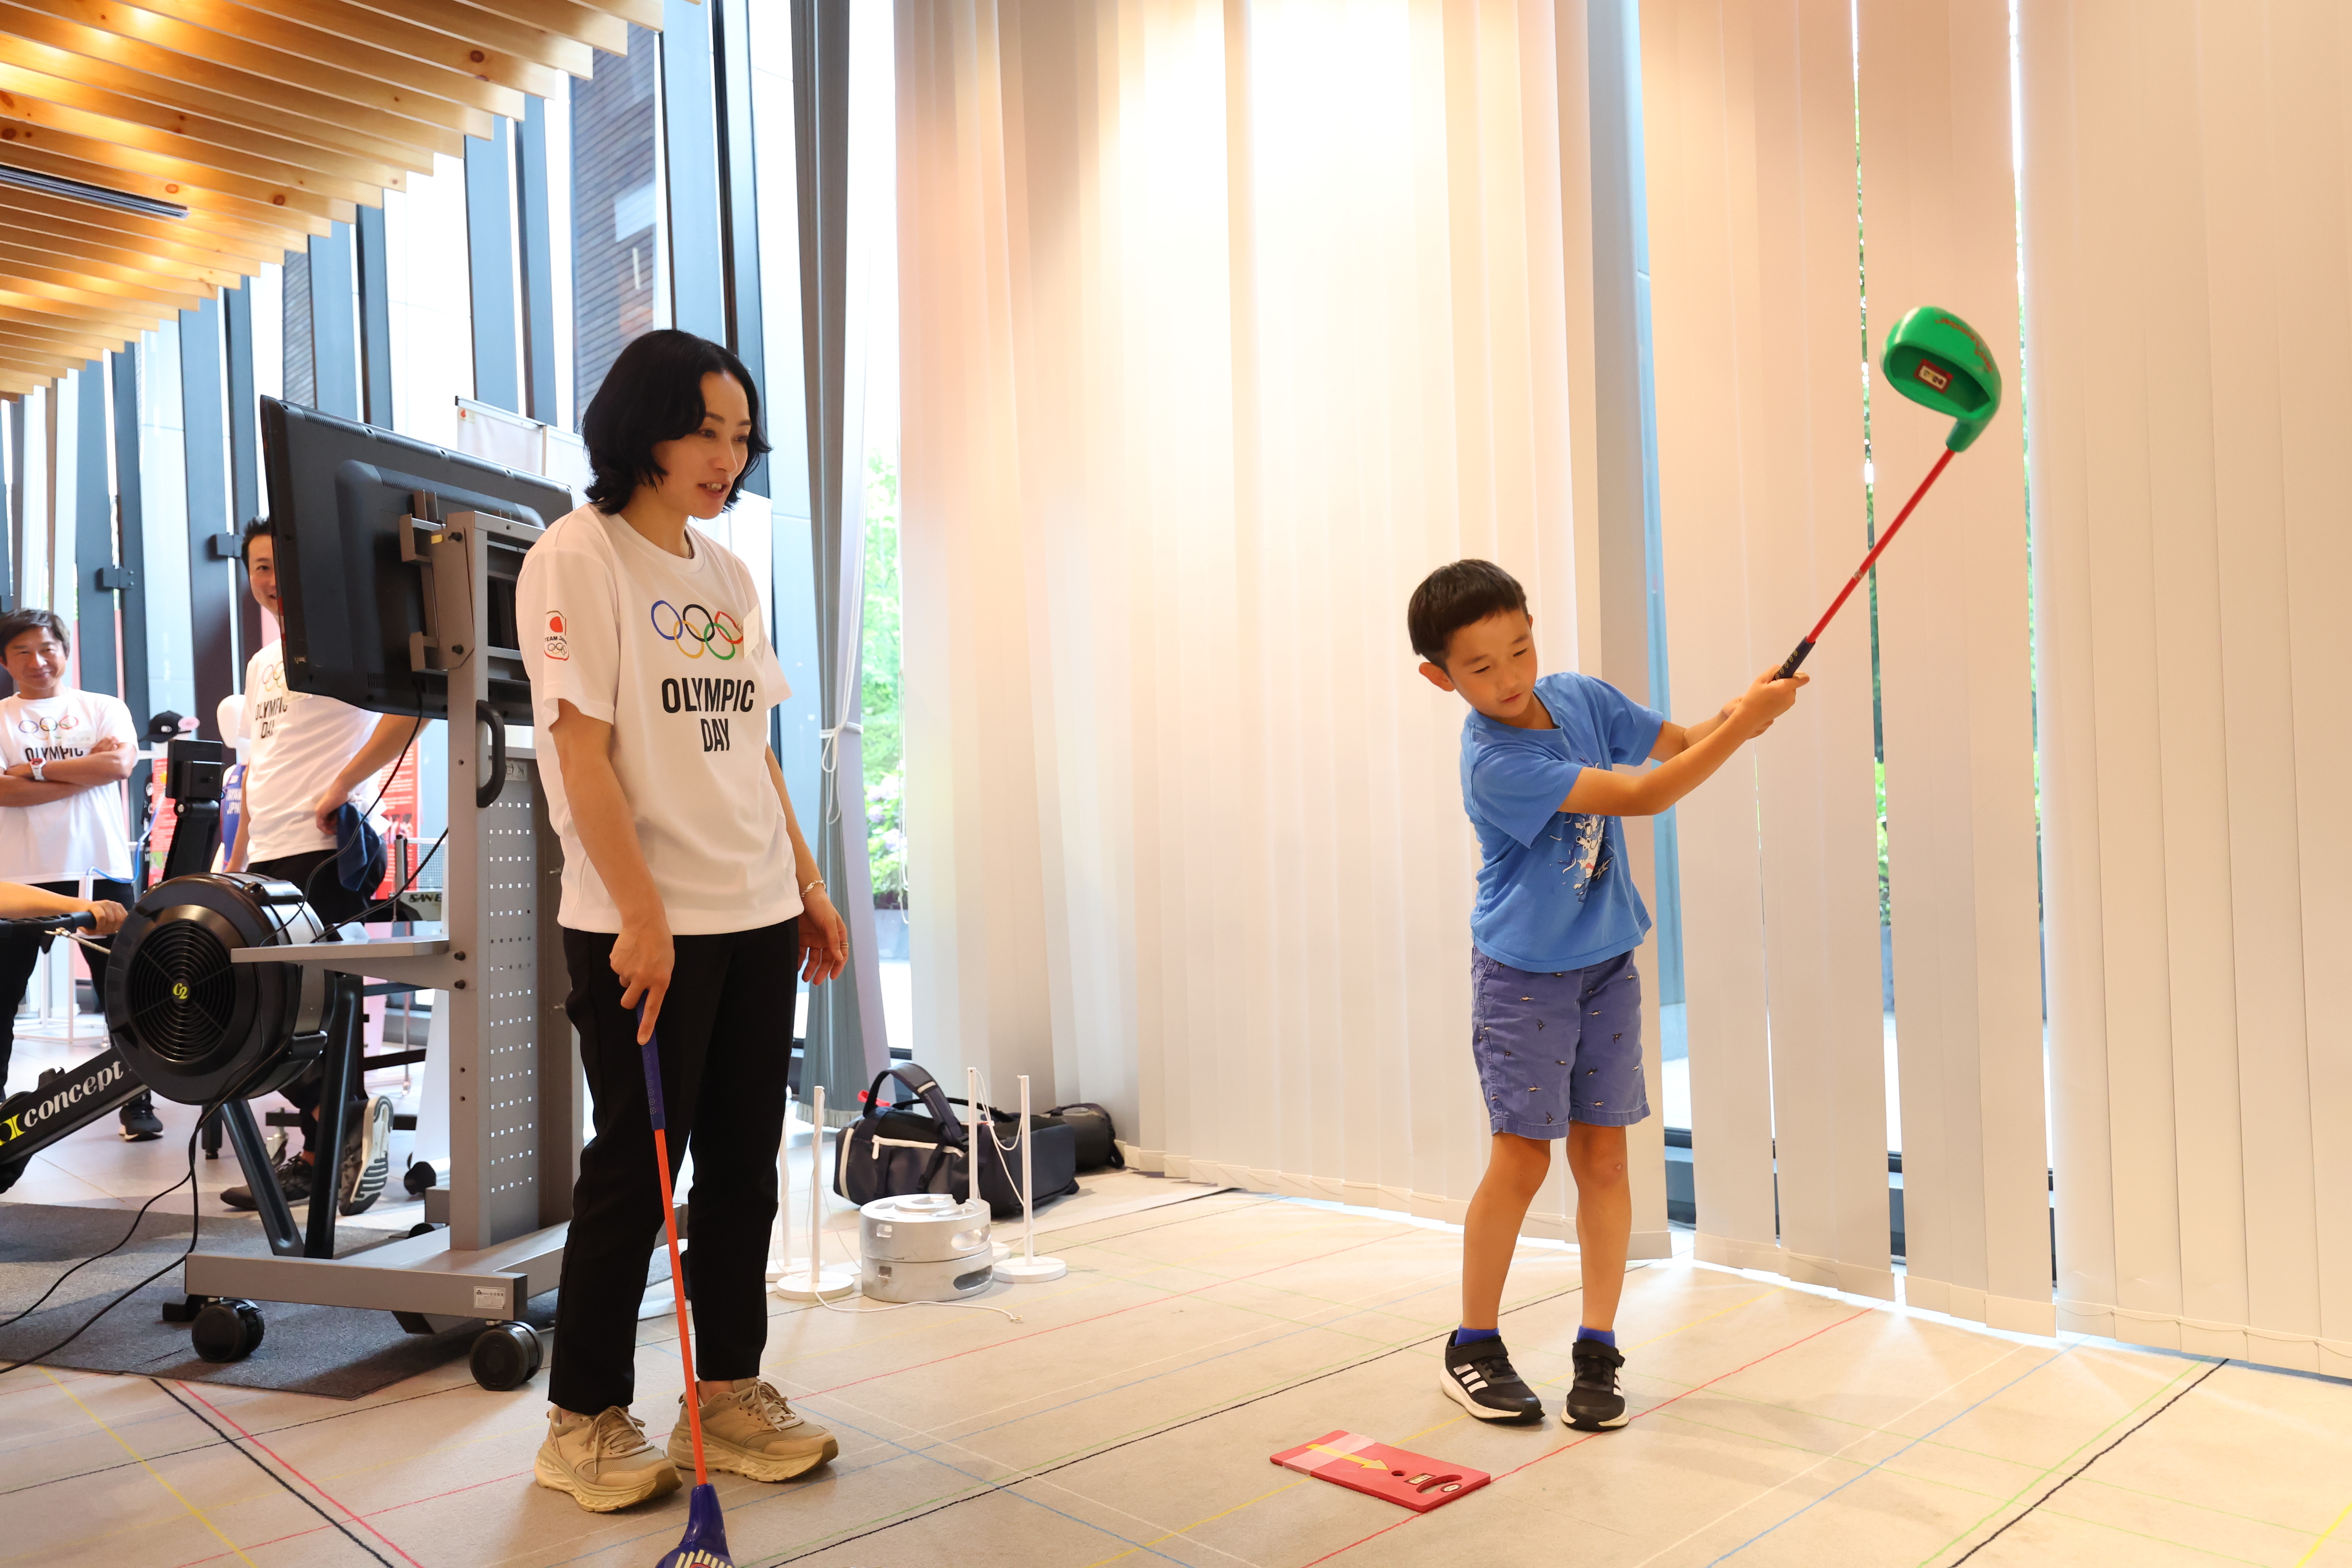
x: 689, y: 895
x: 64, y: 753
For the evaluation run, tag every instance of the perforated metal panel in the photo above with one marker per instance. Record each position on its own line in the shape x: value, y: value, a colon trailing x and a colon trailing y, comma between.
x: 509, y: 988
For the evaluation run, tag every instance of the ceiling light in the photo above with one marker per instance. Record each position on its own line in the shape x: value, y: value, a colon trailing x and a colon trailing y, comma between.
x: 77, y: 190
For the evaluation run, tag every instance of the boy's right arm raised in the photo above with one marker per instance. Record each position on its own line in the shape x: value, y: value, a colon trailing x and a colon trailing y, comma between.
x: 1602, y: 792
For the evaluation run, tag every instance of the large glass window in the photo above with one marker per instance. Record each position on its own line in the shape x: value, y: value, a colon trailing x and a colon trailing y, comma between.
x: 620, y: 269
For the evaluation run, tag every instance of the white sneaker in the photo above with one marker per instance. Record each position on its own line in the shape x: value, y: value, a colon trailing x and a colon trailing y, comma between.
x: 751, y: 1430
x: 605, y: 1461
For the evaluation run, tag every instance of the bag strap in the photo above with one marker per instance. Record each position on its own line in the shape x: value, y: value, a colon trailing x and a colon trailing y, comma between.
x: 918, y: 1078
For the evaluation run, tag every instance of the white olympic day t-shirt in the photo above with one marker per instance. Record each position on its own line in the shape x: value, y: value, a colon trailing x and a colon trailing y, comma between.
x: 85, y: 834
x: 673, y: 653
x: 295, y: 745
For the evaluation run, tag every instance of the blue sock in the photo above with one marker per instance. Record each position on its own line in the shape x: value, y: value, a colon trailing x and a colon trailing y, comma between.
x: 1606, y: 1336
x: 1472, y: 1336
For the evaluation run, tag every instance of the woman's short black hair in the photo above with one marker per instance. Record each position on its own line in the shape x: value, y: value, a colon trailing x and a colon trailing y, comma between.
x: 16, y: 622
x: 654, y: 394
x: 1458, y: 596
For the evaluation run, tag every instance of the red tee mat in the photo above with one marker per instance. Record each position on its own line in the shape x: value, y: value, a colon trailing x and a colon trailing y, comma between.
x: 1355, y: 1461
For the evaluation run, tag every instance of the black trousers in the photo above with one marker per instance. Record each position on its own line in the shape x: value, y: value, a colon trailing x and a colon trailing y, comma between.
x: 21, y: 950
x: 334, y: 903
x: 726, y: 1043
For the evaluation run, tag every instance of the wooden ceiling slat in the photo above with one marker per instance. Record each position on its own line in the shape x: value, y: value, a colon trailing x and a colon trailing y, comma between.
x: 33, y: 267
x: 235, y: 24
x: 178, y: 239
x: 176, y: 157
x: 644, y: 13
x: 210, y: 86
x: 598, y: 29
x: 540, y: 46
x: 18, y: 79
x: 222, y: 202
x: 40, y: 307
x: 35, y: 337
x: 111, y: 263
x: 68, y: 294
x: 392, y: 93
x: 345, y: 26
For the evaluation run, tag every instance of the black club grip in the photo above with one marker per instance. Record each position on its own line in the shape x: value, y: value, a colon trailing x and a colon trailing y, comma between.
x: 1795, y: 659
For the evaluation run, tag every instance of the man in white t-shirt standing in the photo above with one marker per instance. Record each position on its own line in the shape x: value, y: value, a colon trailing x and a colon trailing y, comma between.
x: 62, y: 815
x: 307, y: 756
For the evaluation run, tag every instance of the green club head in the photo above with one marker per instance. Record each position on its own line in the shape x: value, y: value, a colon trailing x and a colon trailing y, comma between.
x: 1934, y: 357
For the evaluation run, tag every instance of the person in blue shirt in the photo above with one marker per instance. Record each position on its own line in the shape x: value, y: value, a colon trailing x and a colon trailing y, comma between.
x: 1556, y: 1001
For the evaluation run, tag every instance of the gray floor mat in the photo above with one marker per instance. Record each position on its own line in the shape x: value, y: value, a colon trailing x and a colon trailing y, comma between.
x: 340, y: 1353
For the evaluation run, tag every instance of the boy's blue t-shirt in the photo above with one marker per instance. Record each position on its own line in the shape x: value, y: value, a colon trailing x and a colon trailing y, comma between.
x: 1553, y: 892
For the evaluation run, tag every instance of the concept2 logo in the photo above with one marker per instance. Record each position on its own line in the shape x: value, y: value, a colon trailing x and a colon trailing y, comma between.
x: 694, y: 631
x: 63, y: 1096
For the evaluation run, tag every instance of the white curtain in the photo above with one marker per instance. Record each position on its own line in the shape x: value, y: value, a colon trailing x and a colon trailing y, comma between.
x: 1751, y: 116
x: 1224, y: 324
x: 2189, y: 260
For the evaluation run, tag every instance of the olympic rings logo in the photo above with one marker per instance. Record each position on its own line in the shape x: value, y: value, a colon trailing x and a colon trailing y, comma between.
x: 717, y: 633
x: 39, y: 726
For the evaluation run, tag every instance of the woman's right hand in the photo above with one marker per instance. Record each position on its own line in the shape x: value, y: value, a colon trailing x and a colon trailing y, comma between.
x: 643, y: 956
x: 109, y: 916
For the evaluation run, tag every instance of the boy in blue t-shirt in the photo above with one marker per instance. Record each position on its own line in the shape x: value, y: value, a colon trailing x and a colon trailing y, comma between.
x: 1551, y: 967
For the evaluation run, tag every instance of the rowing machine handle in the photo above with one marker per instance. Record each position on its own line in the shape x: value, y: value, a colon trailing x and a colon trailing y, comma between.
x: 1796, y: 657
x: 79, y: 921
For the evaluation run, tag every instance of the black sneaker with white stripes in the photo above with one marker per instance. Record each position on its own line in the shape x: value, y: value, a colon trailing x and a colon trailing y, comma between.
x: 1593, y: 1403
x: 1479, y: 1378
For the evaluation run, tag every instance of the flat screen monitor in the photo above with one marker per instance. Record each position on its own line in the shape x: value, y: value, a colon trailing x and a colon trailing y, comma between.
x: 339, y: 494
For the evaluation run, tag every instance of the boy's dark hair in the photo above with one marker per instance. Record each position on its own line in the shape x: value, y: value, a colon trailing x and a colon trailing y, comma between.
x: 1458, y: 596
x: 654, y: 394
x: 259, y: 527
x: 16, y: 622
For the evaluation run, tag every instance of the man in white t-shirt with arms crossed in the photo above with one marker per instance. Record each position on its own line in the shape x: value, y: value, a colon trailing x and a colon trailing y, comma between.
x: 65, y: 753
x: 306, y: 757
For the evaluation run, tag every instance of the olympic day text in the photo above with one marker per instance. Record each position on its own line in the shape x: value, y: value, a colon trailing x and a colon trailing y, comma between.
x: 711, y: 696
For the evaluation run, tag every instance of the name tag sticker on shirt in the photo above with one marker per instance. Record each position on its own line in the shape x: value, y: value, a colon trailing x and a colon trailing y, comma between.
x: 557, y: 646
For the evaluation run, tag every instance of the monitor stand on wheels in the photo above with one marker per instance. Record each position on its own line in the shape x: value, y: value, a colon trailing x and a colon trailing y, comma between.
x: 516, y: 1096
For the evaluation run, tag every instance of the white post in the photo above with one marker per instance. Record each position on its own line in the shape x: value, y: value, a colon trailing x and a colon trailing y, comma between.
x: 972, y: 1119
x: 820, y: 1283
x: 1032, y: 1268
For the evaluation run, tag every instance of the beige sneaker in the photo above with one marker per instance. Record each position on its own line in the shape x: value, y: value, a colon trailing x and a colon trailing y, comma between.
x: 751, y: 1431
x: 605, y: 1463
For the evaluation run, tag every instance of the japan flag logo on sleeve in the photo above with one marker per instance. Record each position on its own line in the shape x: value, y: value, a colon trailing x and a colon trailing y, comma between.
x: 556, y: 646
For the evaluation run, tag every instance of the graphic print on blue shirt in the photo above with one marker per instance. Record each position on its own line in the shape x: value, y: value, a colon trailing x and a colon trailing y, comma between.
x: 1551, y: 897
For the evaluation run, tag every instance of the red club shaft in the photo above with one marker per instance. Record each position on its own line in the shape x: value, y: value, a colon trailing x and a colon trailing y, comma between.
x: 1862, y: 570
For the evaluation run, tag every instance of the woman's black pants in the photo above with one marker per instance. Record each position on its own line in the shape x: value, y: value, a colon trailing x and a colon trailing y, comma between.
x: 726, y: 1034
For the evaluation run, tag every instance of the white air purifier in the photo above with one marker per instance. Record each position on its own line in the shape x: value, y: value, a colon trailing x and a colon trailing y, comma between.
x: 924, y: 1247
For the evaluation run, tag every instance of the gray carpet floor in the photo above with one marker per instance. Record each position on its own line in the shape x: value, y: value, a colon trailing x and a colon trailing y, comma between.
x: 338, y: 1352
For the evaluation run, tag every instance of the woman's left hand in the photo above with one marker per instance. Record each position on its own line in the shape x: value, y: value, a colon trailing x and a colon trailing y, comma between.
x: 824, y: 939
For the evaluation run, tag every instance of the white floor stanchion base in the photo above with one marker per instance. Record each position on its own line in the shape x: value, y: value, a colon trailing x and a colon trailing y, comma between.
x: 831, y: 1284
x: 798, y: 1265
x: 1031, y: 1271
x: 1001, y: 1250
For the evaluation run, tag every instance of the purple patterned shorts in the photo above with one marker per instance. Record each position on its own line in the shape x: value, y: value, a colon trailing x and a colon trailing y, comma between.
x: 1521, y: 1021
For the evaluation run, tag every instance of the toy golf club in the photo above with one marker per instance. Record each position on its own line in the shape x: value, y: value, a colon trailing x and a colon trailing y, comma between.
x: 704, y: 1544
x: 1932, y: 357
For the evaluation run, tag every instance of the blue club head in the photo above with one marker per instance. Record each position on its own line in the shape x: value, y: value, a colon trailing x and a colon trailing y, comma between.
x: 704, y: 1545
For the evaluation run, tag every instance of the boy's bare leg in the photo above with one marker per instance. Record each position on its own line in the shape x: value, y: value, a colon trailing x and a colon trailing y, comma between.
x: 1604, y: 1216
x: 1516, y: 1168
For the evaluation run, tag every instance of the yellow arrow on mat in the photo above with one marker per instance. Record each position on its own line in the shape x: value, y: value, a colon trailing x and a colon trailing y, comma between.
x: 1351, y: 1458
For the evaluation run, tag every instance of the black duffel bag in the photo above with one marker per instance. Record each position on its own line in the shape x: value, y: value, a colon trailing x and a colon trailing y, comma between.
x: 919, y: 1145
x: 1098, y: 1138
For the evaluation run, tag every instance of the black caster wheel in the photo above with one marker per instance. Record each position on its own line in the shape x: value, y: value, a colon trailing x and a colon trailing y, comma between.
x: 505, y: 1356
x: 227, y: 1329
x: 421, y: 1227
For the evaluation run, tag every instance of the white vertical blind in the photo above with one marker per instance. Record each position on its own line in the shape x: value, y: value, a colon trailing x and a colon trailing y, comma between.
x: 1939, y: 221
x: 1223, y: 326
x: 2187, y: 280
x: 1751, y: 112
